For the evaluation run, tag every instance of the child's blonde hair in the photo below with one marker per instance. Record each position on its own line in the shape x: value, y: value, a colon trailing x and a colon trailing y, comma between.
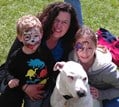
x: 86, y: 31
x: 26, y: 23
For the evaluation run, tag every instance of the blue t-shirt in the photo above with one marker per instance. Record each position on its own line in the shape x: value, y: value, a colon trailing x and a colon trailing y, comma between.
x: 57, y: 52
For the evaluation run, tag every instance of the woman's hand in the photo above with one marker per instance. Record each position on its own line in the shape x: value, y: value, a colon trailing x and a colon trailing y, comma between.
x: 34, y: 91
x: 94, y: 92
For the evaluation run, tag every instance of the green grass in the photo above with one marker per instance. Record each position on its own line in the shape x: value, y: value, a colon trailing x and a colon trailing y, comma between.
x: 96, y: 14
x: 102, y: 13
x: 10, y: 11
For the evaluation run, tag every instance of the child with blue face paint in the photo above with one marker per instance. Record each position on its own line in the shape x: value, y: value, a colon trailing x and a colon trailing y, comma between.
x: 102, y: 72
x: 28, y: 64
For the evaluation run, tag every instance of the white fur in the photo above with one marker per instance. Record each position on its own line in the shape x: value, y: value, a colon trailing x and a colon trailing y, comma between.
x: 71, y: 79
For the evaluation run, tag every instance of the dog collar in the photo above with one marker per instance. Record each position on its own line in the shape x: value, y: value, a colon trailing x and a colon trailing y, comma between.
x: 67, y: 97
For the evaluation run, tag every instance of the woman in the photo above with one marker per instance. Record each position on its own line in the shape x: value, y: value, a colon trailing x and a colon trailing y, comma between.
x: 59, y: 26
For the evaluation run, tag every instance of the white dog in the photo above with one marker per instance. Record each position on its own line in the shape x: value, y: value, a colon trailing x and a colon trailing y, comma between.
x: 72, y: 89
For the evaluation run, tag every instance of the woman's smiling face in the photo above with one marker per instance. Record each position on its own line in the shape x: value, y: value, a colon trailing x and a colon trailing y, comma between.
x: 61, y: 24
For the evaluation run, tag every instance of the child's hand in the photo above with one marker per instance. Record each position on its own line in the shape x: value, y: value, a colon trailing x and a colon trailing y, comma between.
x: 13, y: 83
x: 94, y: 92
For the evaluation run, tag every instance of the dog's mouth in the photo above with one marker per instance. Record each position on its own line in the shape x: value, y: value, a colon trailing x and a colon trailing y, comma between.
x: 67, y: 97
x: 79, y: 94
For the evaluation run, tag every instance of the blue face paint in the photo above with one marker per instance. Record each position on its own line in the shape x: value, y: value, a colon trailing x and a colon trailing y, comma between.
x: 78, y: 46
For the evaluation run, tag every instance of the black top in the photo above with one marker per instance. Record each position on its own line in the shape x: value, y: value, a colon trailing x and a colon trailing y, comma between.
x: 28, y: 68
x: 45, y: 55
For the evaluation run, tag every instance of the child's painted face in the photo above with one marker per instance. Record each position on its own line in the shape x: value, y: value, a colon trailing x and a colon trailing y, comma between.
x: 32, y: 38
x: 85, y: 49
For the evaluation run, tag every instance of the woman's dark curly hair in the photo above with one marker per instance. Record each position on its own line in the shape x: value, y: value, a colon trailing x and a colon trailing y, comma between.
x: 48, y: 16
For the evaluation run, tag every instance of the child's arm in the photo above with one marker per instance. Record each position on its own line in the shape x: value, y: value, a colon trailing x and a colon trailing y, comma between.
x: 5, y: 77
x: 3, y: 72
x: 94, y: 92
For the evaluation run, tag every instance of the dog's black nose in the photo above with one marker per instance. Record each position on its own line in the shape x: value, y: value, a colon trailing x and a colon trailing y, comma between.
x: 81, y: 93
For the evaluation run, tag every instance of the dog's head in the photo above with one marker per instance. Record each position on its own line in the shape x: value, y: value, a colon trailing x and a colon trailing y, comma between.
x: 72, y: 79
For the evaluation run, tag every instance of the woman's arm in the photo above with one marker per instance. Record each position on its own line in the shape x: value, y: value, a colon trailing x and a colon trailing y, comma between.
x: 34, y: 91
x: 16, y: 44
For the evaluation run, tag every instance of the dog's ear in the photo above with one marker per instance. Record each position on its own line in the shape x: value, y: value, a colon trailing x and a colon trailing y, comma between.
x: 58, y: 66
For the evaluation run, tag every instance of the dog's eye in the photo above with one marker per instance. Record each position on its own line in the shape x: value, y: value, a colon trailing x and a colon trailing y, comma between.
x: 84, y: 79
x: 71, y: 77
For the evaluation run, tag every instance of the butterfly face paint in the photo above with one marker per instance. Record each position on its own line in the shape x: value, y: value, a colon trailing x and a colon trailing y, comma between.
x: 78, y: 46
x: 32, y: 37
x: 83, y: 47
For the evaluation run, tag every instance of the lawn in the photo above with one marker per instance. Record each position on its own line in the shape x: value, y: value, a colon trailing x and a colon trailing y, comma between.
x: 96, y: 14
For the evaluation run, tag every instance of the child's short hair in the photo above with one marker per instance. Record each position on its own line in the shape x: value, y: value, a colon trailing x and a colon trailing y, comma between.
x: 86, y: 31
x: 26, y: 23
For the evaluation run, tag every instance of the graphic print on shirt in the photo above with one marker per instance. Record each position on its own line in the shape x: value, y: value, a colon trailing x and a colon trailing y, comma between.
x: 37, y: 72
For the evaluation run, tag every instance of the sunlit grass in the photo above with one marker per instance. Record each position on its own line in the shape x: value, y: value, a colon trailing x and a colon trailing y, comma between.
x: 96, y: 14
